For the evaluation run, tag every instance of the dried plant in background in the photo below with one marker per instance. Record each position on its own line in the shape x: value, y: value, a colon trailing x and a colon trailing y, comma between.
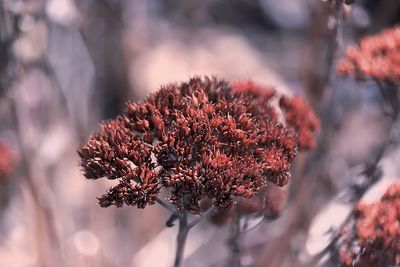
x: 372, y: 237
x: 377, y: 57
x: 6, y: 161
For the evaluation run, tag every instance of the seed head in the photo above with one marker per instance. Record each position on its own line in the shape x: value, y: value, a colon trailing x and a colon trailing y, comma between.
x: 195, y: 140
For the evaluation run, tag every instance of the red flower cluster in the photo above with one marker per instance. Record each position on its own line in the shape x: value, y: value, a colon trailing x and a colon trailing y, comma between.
x: 378, y: 57
x: 6, y: 161
x: 200, y: 139
x: 373, y: 239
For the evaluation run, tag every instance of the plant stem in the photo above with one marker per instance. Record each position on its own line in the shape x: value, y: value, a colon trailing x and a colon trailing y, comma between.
x: 181, y: 238
x: 201, y: 217
x: 234, y: 245
x: 184, y: 227
x: 166, y: 205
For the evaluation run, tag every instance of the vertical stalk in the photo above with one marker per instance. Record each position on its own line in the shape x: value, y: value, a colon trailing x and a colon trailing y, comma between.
x: 181, y: 238
x: 184, y: 227
x: 234, y: 244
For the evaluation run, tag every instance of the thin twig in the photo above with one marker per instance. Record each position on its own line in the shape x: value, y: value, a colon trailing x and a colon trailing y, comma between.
x: 394, y: 102
x: 323, y: 38
x: 165, y: 205
x: 201, y: 217
x: 259, y: 214
x: 45, y: 217
x: 262, y: 219
x: 390, y: 98
x: 181, y: 238
x: 184, y: 227
x: 234, y: 244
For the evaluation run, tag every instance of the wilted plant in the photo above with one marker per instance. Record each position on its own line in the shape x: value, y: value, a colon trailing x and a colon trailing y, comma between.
x: 370, y: 236
x: 202, y: 140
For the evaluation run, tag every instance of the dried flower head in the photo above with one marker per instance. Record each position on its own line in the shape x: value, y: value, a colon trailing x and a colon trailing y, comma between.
x: 378, y: 57
x: 373, y: 238
x: 199, y: 139
x: 6, y: 161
